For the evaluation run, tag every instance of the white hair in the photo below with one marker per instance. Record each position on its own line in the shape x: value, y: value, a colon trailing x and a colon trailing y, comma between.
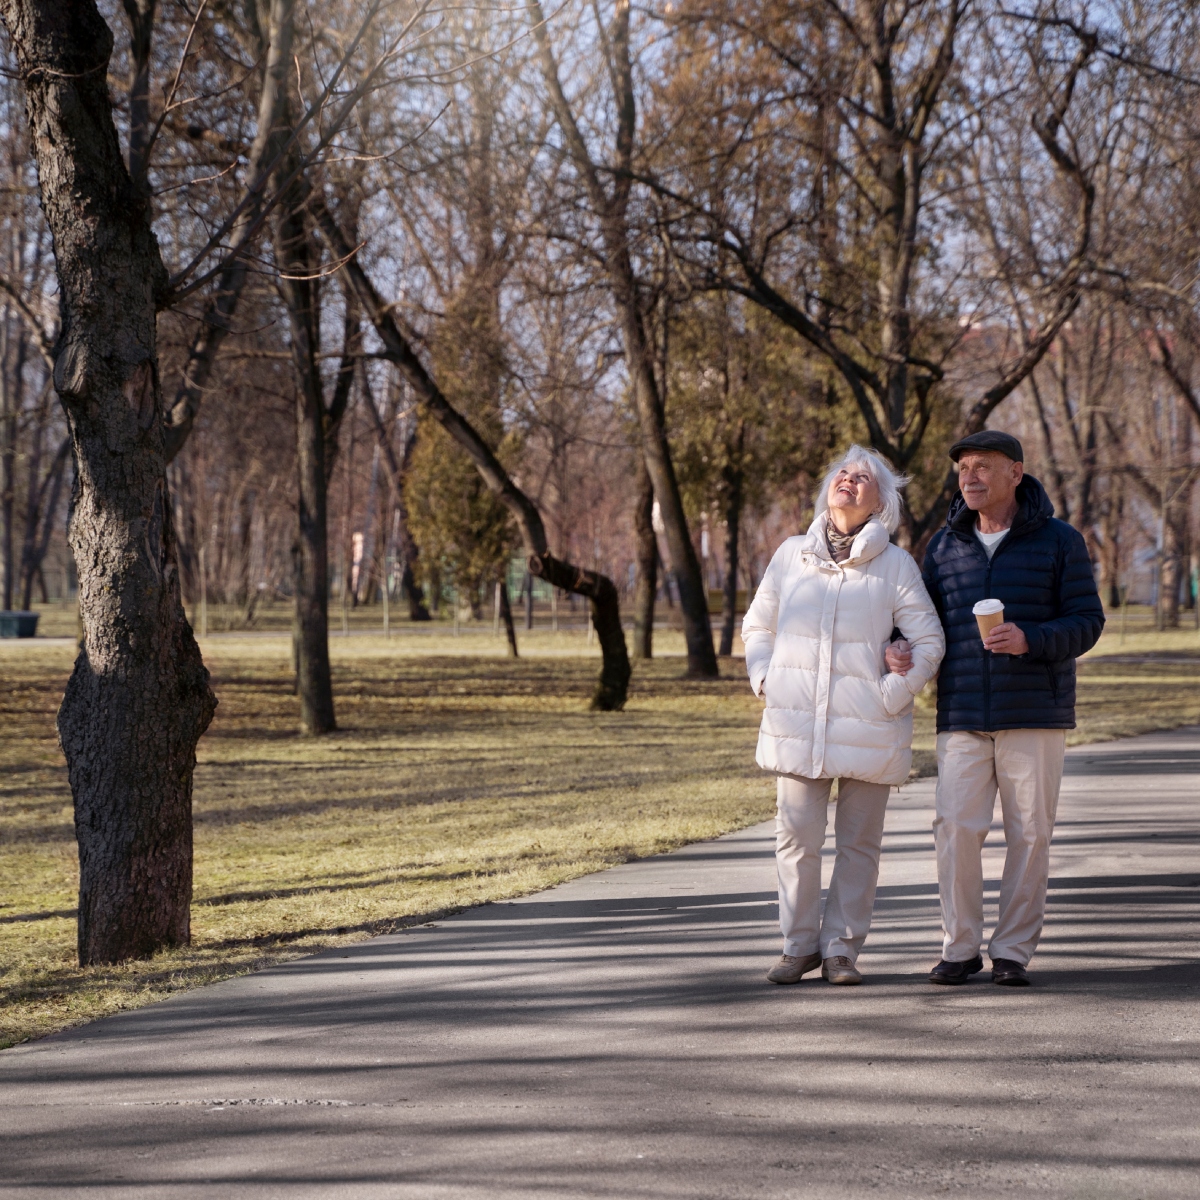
x: 888, y: 482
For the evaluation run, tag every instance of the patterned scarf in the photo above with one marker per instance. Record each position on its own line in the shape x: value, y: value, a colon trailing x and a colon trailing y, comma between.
x: 840, y: 543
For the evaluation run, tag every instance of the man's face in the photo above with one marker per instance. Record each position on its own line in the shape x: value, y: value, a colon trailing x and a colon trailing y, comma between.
x: 987, y: 478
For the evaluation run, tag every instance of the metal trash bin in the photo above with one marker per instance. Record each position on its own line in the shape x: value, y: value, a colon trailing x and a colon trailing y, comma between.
x: 18, y: 624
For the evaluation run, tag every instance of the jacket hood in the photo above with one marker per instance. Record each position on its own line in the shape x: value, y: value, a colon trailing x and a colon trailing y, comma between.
x: 1034, y: 509
x: 871, y: 540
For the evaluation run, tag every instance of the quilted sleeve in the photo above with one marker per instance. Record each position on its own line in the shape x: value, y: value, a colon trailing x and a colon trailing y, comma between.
x: 758, y: 625
x: 916, y: 617
x: 1080, y: 619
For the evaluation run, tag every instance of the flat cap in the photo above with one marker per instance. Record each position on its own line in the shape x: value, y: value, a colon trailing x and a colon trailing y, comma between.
x: 989, y: 439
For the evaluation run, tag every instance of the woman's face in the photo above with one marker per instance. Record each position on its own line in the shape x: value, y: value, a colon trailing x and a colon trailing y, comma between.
x: 854, y: 492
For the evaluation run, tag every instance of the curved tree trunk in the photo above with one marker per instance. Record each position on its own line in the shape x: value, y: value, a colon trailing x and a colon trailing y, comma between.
x: 138, y: 699
x: 613, y: 685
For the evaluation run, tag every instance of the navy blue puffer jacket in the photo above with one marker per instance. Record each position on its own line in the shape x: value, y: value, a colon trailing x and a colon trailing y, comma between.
x: 1042, y: 573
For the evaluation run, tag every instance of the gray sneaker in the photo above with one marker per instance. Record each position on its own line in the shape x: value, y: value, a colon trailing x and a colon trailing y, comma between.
x: 790, y: 968
x: 839, y: 969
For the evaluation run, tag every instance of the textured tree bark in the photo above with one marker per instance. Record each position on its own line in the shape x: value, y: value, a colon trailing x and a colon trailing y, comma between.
x: 647, y: 565
x: 314, y: 680
x: 141, y: 30
x: 734, y: 491
x: 510, y: 630
x: 310, y: 567
x: 1175, y: 557
x: 8, y: 494
x: 138, y: 699
x: 43, y: 506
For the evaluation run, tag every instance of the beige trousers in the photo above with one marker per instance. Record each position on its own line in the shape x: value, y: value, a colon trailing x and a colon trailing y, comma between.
x: 801, y: 818
x: 1025, y: 767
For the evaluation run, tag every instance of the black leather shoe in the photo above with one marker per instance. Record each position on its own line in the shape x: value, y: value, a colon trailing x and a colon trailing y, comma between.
x: 955, y: 972
x: 1009, y: 973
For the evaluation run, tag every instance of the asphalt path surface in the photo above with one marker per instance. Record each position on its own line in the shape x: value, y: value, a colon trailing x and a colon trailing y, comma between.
x: 615, y: 1037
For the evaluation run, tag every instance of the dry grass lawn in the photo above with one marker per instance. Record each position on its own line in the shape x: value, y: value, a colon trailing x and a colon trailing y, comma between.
x: 457, y: 777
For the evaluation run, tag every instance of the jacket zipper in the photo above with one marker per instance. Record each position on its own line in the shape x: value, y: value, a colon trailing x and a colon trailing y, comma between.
x: 987, y: 656
x: 987, y: 665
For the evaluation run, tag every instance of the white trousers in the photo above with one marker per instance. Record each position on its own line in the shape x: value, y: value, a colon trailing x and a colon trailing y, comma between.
x: 1025, y: 767
x: 801, y: 817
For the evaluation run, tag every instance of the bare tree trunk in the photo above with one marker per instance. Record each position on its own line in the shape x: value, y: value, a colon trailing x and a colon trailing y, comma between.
x: 685, y: 564
x: 8, y: 489
x: 310, y: 633
x: 138, y: 699
x: 314, y: 680
x: 12, y: 393
x: 40, y: 523
x: 734, y: 492
x: 647, y: 564
x: 34, y: 494
x: 1110, y: 551
x: 141, y: 32
x: 1175, y: 556
x: 245, y: 596
x: 510, y: 630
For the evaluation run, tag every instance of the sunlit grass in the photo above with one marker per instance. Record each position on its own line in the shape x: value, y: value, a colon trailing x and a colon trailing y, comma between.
x: 457, y: 776
x: 452, y: 780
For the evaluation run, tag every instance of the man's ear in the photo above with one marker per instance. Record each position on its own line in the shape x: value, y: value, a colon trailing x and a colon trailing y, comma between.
x: 1019, y: 473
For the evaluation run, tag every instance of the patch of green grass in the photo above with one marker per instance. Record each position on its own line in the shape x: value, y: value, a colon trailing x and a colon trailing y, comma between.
x: 457, y: 777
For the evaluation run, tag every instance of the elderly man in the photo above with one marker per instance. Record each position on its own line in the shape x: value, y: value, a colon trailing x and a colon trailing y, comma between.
x: 1005, y: 700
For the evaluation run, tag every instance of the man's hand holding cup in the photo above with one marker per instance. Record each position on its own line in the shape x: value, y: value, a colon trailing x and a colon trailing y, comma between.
x: 999, y: 636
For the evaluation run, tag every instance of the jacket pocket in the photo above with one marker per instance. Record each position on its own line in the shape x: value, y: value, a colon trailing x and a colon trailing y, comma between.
x: 896, y: 696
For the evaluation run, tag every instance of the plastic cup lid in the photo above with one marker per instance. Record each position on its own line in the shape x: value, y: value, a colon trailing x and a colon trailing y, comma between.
x: 985, y: 608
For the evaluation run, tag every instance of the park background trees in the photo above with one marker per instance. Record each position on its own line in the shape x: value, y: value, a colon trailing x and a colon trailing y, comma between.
x: 432, y: 301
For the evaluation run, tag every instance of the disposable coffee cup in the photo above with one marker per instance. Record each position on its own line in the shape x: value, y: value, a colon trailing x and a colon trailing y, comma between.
x: 988, y: 614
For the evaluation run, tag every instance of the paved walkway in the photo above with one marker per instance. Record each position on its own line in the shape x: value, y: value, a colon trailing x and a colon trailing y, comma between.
x: 615, y: 1038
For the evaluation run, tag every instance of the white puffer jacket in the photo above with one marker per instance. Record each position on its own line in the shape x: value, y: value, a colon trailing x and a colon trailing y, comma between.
x: 815, y: 636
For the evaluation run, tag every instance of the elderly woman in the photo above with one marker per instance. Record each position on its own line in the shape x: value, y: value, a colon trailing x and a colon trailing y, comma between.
x: 815, y: 638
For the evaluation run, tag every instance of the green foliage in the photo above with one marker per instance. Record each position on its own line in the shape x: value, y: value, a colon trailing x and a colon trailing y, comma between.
x: 465, y: 534
x: 746, y: 397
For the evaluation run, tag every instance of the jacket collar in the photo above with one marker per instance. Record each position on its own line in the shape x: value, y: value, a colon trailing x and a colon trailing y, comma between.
x: 1034, y: 509
x: 872, y: 540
